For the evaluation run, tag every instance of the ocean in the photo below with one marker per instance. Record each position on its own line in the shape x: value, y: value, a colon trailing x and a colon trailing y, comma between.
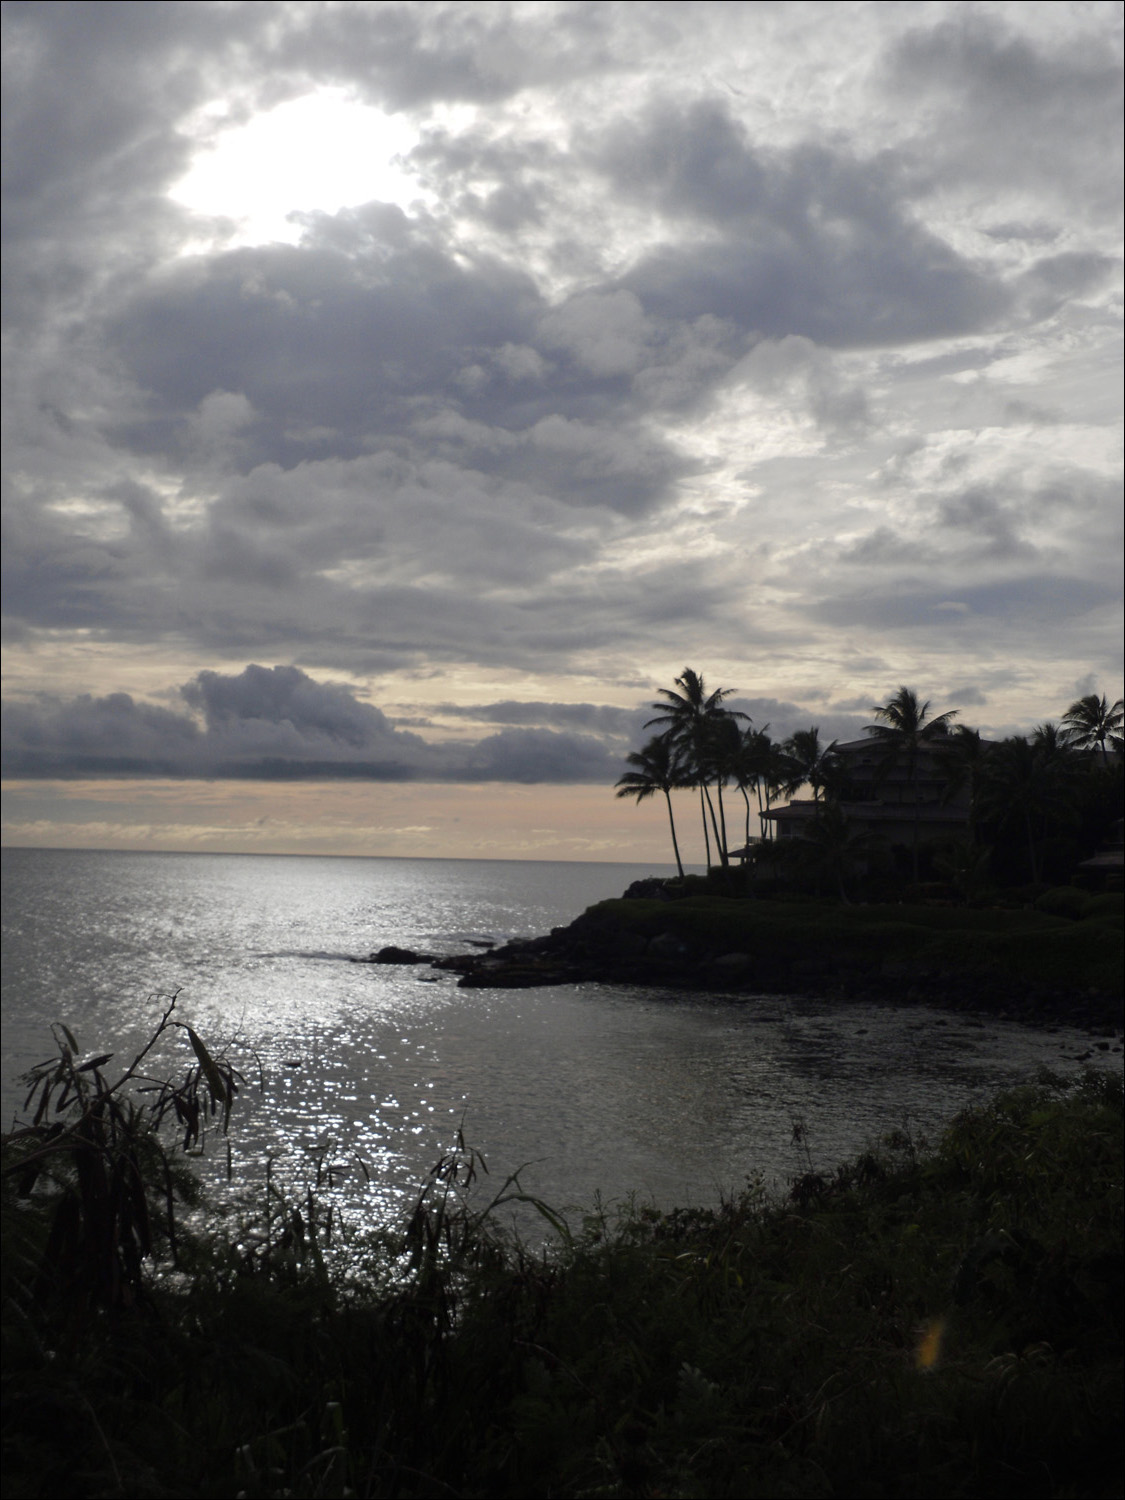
x: 593, y: 1093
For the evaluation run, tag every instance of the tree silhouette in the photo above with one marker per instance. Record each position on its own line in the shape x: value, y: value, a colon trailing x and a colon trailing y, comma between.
x: 723, y: 763
x: 962, y: 758
x: 1029, y: 783
x: 965, y: 865
x: 835, y: 847
x: 904, y: 730
x: 746, y: 769
x: 658, y: 767
x: 772, y: 769
x: 812, y: 761
x: 1091, y: 721
x: 689, y: 717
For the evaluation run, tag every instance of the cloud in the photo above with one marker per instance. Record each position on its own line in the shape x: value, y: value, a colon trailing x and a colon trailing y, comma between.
x: 1004, y: 108
x: 96, y: 736
x: 735, y: 331
x: 285, y: 696
x: 601, y: 718
x: 795, y: 371
x: 532, y: 755
x: 1030, y: 603
x: 811, y: 241
x: 279, y: 723
x: 604, y: 332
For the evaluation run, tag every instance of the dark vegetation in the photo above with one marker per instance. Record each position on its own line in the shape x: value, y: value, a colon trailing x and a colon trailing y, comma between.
x: 921, y: 1322
x: 1053, y: 957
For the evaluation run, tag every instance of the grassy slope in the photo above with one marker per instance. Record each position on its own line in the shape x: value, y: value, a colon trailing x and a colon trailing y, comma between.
x: 1033, y: 944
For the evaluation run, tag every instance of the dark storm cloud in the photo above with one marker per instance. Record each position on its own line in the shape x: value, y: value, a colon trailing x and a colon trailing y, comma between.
x: 276, y: 723
x: 628, y: 728
x: 285, y: 695
x: 810, y: 241
x: 272, y: 721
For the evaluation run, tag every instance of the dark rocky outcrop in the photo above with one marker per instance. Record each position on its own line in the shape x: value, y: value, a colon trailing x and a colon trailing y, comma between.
x: 655, y: 888
x: 601, y: 947
x: 393, y: 955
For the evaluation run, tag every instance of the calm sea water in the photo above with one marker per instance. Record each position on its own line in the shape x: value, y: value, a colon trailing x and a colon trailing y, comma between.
x: 590, y: 1090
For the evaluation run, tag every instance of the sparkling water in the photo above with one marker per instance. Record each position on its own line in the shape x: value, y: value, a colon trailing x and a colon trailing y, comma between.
x: 588, y: 1090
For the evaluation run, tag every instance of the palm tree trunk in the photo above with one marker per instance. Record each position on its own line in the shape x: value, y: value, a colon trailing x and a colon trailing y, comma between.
x: 911, y: 781
x: 706, y: 835
x: 724, y: 854
x: 1031, y: 847
x: 719, y: 844
x: 672, y: 825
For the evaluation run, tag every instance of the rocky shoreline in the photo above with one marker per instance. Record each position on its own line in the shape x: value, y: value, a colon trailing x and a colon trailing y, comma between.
x: 599, y: 947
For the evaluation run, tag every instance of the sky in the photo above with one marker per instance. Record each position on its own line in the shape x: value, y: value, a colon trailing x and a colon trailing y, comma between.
x: 397, y: 395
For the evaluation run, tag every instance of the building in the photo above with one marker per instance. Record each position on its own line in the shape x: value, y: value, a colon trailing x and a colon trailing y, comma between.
x: 886, y: 802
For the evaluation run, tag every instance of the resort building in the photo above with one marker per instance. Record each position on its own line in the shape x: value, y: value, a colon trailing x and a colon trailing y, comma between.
x: 883, y: 801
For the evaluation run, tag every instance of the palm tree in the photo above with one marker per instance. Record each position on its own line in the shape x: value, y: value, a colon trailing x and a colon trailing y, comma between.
x: 965, y: 864
x: 1053, y: 744
x: 772, y: 770
x: 1028, y: 783
x: 746, y: 769
x: 962, y: 760
x: 904, y: 730
x: 1091, y: 721
x: 812, y: 761
x: 723, y: 757
x: 689, y: 717
x: 835, y: 847
x: 658, y: 768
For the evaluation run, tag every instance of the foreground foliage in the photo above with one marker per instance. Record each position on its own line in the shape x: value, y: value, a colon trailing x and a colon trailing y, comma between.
x: 918, y: 1323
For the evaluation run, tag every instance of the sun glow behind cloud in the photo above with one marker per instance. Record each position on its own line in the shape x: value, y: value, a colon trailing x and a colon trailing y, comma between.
x: 322, y: 152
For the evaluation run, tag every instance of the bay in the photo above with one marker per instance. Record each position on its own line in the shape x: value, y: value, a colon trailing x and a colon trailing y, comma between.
x: 591, y: 1091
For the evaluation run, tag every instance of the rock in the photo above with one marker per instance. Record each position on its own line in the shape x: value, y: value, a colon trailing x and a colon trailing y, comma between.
x: 393, y: 955
x: 731, y: 962
x: 651, y: 889
x: 604, y: 947
x: 629, y: 945
x: 510, y: 976
x: 666, y: 945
